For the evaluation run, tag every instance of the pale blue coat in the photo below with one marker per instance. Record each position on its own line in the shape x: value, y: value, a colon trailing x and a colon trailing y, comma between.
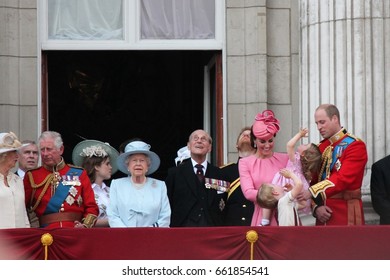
x: 143, y: 207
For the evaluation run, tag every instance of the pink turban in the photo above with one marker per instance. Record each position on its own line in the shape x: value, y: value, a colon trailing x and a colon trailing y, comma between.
x: 265, y: 125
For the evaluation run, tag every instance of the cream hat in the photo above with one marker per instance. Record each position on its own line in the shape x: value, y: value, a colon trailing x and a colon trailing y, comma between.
x: 9, y: 142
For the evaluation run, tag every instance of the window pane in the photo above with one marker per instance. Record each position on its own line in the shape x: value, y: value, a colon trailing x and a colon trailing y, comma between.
x: 178, y: 19
x: 85, y: 19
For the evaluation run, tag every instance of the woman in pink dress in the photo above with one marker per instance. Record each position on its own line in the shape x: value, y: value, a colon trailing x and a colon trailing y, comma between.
x: 264, y: 164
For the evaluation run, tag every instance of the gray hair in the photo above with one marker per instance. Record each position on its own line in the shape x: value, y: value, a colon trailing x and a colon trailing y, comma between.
x: 52, y: 135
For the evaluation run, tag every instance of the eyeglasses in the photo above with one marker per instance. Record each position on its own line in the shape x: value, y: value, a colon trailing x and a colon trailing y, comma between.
x: 201, y: 139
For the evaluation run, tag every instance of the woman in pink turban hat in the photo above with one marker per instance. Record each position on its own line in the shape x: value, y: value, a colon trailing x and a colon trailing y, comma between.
x: 264, y: 164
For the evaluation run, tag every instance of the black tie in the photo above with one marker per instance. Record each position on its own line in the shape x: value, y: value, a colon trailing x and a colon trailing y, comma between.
x: 199, y: 172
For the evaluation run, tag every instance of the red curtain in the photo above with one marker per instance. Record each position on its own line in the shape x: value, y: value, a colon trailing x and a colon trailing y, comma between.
x: 217, y: 243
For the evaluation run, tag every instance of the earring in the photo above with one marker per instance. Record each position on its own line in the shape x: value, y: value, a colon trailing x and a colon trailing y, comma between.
x: 255, y: 145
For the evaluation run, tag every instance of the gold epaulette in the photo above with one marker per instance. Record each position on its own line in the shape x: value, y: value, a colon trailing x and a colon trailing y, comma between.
x: 354, y: 137
x: 320, y: 187
x: 227, y: 164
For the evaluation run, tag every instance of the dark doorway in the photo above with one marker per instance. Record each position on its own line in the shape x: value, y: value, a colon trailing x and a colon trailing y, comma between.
x: 112, y: 96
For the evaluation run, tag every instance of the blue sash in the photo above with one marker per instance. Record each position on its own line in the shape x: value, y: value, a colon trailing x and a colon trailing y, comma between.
x: 61, y: 193
x: 338, y: 151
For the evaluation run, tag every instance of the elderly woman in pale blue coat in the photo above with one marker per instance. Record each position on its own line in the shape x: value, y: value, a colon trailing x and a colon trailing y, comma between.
x: 138, y: 200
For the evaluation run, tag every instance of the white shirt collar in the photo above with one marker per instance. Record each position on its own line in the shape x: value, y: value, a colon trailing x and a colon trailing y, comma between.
x: 20, y: 173
x: 97, y: 186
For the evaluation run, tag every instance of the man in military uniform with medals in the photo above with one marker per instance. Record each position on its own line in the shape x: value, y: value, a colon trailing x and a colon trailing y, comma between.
x: 337, y: 193
x: 196, y: 191
x: 60, y: 194
x: 239, y: 210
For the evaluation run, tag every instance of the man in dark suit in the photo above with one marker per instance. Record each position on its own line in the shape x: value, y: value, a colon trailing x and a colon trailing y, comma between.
x: 193, y: 202
x: 239, y: 210
x: 380, y: 189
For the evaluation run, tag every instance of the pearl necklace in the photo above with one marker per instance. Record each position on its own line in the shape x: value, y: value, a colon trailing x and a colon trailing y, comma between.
x: 138, y: 185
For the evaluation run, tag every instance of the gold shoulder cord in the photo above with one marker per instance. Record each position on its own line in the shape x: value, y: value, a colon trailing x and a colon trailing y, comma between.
x: 326, y: 162
x: 34, y: 186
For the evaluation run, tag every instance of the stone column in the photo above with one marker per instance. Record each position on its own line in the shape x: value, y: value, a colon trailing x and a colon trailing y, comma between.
x: 345, y: 60
x: 18, y: 68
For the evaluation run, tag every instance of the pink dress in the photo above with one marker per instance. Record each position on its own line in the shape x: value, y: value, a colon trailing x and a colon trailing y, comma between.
x: 253, y: 172
x: 296, y: 168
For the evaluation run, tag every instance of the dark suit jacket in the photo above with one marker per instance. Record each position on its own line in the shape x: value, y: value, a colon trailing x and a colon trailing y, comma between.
x: 185, y: 194
x: 239, y: 210
x: 380, y: 189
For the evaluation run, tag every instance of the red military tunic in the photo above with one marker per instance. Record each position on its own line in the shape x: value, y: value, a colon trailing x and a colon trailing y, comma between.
x: 344, y: 160
x: 39, y: 185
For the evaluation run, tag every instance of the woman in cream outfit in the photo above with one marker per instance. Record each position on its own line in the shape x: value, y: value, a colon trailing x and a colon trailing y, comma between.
x: 13, y: 212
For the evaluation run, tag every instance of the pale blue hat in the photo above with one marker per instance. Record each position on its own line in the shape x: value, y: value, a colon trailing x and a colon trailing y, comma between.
x: 138, y: 147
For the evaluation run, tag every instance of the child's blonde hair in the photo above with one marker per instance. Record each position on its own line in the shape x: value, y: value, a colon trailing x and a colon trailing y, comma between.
x: 265, y: 198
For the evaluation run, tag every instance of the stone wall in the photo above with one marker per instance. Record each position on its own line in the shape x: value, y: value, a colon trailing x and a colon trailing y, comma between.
x: 18, y: 68
x: 262, y: 55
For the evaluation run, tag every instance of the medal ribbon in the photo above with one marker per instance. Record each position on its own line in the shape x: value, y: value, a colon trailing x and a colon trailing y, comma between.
x: 61, y: 193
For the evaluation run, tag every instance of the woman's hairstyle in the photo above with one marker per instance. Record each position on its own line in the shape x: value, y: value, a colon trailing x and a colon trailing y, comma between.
x: 253, y: 138
x: 265, y: 198
x: 89, y: 164
x: 311, y: 161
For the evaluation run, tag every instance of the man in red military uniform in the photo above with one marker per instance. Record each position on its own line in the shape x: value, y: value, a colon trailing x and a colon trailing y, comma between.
x: 61, y: 195
x: 337, y: 193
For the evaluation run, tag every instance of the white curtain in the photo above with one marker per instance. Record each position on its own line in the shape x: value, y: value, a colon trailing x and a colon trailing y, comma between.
x: 85, y: 19
x: 177, y: 19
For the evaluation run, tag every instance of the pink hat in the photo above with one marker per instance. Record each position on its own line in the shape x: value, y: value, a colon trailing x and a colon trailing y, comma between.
x: 265, y: 125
